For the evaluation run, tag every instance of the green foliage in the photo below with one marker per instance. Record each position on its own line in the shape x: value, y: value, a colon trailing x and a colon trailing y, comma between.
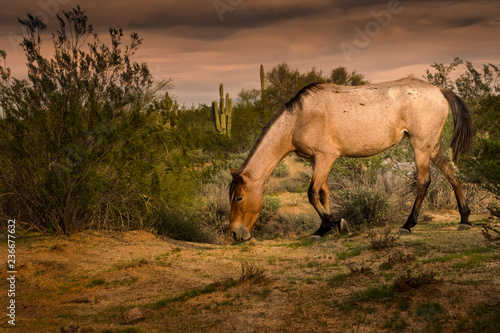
x: 282, y: 170
x: 375, y: 293
x: 482, y: 165
x: 342, y: 77
x: 271, y: 205
x: 74, y: 141
x: 283, y: 83
x: 364, y: 206
x: 441, y: 77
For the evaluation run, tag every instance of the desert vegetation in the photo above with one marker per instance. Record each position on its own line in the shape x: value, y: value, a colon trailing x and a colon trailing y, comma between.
x: 100, y: 161
x: 91, y: 141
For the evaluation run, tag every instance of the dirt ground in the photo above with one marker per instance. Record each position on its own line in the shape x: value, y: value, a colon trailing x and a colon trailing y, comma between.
x: 438, y: 280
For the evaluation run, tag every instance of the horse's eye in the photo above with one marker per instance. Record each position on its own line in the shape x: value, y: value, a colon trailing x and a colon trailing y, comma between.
x: 239, y: 199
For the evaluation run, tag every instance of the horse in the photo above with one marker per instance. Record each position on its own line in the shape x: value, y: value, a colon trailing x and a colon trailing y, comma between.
x: 325, y: 121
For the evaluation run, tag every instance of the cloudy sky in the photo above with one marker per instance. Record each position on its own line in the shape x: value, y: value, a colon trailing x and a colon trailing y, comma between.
x: 200, y: 43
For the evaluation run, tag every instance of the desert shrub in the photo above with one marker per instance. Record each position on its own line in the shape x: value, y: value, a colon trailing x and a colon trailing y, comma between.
x: 364, y: 206
x: 184, y: 224
x: 482, y: 166
x: 303, y: 223
x: 440, y: 193
x: 251, y: 274
x: 269, y: 222
x: 76, y: 143
x: 270, y: 208
x: 382, y: 238
x: 217, y: 208
x: 281, y: 171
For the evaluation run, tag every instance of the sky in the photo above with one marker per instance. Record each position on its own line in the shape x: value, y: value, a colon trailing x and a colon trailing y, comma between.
x: 201, y: 43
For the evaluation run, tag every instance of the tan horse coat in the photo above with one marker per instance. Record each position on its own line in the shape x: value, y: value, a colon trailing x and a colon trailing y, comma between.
x: 325, y: 121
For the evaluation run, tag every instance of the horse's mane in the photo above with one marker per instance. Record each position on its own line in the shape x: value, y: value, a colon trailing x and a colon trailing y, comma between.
x: 297, y: 100
x: 295, y: 103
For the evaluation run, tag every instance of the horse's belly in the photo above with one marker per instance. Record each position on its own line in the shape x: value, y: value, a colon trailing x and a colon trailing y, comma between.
x: 368, y: 142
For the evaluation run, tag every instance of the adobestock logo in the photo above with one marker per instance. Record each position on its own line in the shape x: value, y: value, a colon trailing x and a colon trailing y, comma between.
x: 363, y: 37
x: 222, y: 6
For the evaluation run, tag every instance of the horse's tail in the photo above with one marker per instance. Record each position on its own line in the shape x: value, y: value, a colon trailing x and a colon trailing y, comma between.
x: 461, y: 141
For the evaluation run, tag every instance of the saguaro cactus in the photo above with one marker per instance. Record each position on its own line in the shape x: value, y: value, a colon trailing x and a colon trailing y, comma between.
x: 223, y: 114
x: 262, y: 85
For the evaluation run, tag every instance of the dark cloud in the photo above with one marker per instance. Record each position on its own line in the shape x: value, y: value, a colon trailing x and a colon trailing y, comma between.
x: 199, y: 46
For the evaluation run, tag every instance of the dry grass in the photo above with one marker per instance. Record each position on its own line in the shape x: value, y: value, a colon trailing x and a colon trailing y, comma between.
x: 363, y: 270
x: 489, y: 237
x: 95, y: 279
x: 382, y: 238
x: 409, y: 281
x: 252, y: 274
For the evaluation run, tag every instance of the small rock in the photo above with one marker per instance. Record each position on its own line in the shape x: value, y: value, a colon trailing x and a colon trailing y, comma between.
x: 463, y: 226
x: 344, y: 226
x: 403, y: 231
x: 72, y: 328
x: 133, y: 316
x: 252, y: 241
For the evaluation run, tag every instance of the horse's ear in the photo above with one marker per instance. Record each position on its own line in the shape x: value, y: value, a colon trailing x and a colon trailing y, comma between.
x: 237, y: 178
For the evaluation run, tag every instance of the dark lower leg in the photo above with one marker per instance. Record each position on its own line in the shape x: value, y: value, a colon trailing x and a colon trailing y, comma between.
x: 421, y: 191
x: 327, y: 224
x: 464, y: 211
x: 444, y: 165
x: 413, y: 218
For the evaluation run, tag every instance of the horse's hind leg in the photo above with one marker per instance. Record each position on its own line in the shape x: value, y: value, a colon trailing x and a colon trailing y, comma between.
x: 422, y: 159
x: 444, y: 165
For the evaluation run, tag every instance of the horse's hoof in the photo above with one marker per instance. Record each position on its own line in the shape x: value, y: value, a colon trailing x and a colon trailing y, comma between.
x: 316, y: 237
x: 404, y: 231
x: 463, y: 226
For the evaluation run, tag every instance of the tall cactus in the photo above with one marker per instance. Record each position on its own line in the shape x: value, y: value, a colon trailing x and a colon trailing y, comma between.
x: 262, y: 85
x: 223, y: 115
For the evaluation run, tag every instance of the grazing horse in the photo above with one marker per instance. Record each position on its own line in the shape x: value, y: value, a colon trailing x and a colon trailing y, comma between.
x: 325, y: 121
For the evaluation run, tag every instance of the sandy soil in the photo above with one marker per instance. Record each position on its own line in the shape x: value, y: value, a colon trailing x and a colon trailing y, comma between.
x: 140, y: 282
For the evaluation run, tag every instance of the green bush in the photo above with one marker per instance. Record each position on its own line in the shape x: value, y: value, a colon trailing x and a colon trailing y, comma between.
x: 364, y: 206
x: 185, y: 224
x: 75, y: 143
x: 281, y: 171
x: 482, y: 165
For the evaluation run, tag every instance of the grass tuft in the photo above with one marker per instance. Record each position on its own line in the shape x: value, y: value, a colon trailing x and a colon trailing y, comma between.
x: 382, y: 238
x: 408, y: 281
x: 251, y: 274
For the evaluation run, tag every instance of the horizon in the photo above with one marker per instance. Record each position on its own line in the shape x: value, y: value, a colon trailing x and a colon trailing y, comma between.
x: 204, y: 44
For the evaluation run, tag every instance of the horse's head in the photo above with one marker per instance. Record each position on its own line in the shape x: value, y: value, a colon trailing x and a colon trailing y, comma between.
x: 246, y: 203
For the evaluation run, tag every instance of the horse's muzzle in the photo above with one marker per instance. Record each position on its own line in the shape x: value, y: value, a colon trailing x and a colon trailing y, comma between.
x: 241, y: 233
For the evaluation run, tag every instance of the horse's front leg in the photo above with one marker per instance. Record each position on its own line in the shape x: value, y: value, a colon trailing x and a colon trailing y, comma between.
x: 318, y: 192
x: 423, y: 181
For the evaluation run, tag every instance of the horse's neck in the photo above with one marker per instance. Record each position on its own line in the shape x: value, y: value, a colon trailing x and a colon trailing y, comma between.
x: 272, y: 147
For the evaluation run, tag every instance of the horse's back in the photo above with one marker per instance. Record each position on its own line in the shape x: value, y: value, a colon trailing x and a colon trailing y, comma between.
x: 365, y: 120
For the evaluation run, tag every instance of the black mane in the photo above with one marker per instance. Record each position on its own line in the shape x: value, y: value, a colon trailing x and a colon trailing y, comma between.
x: 295, y: 103
x: 297, y: 100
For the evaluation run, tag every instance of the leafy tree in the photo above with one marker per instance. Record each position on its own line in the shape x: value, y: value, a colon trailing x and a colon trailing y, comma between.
x: 483, y: 165
x: 342, y: 77
x: 475, y: 86
x: 479, y: 88
x: 282, y: 83
x: 73, y: 136
x: 441, y: 77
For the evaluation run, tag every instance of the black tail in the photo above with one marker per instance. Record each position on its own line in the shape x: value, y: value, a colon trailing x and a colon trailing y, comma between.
x: 461, y: 141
